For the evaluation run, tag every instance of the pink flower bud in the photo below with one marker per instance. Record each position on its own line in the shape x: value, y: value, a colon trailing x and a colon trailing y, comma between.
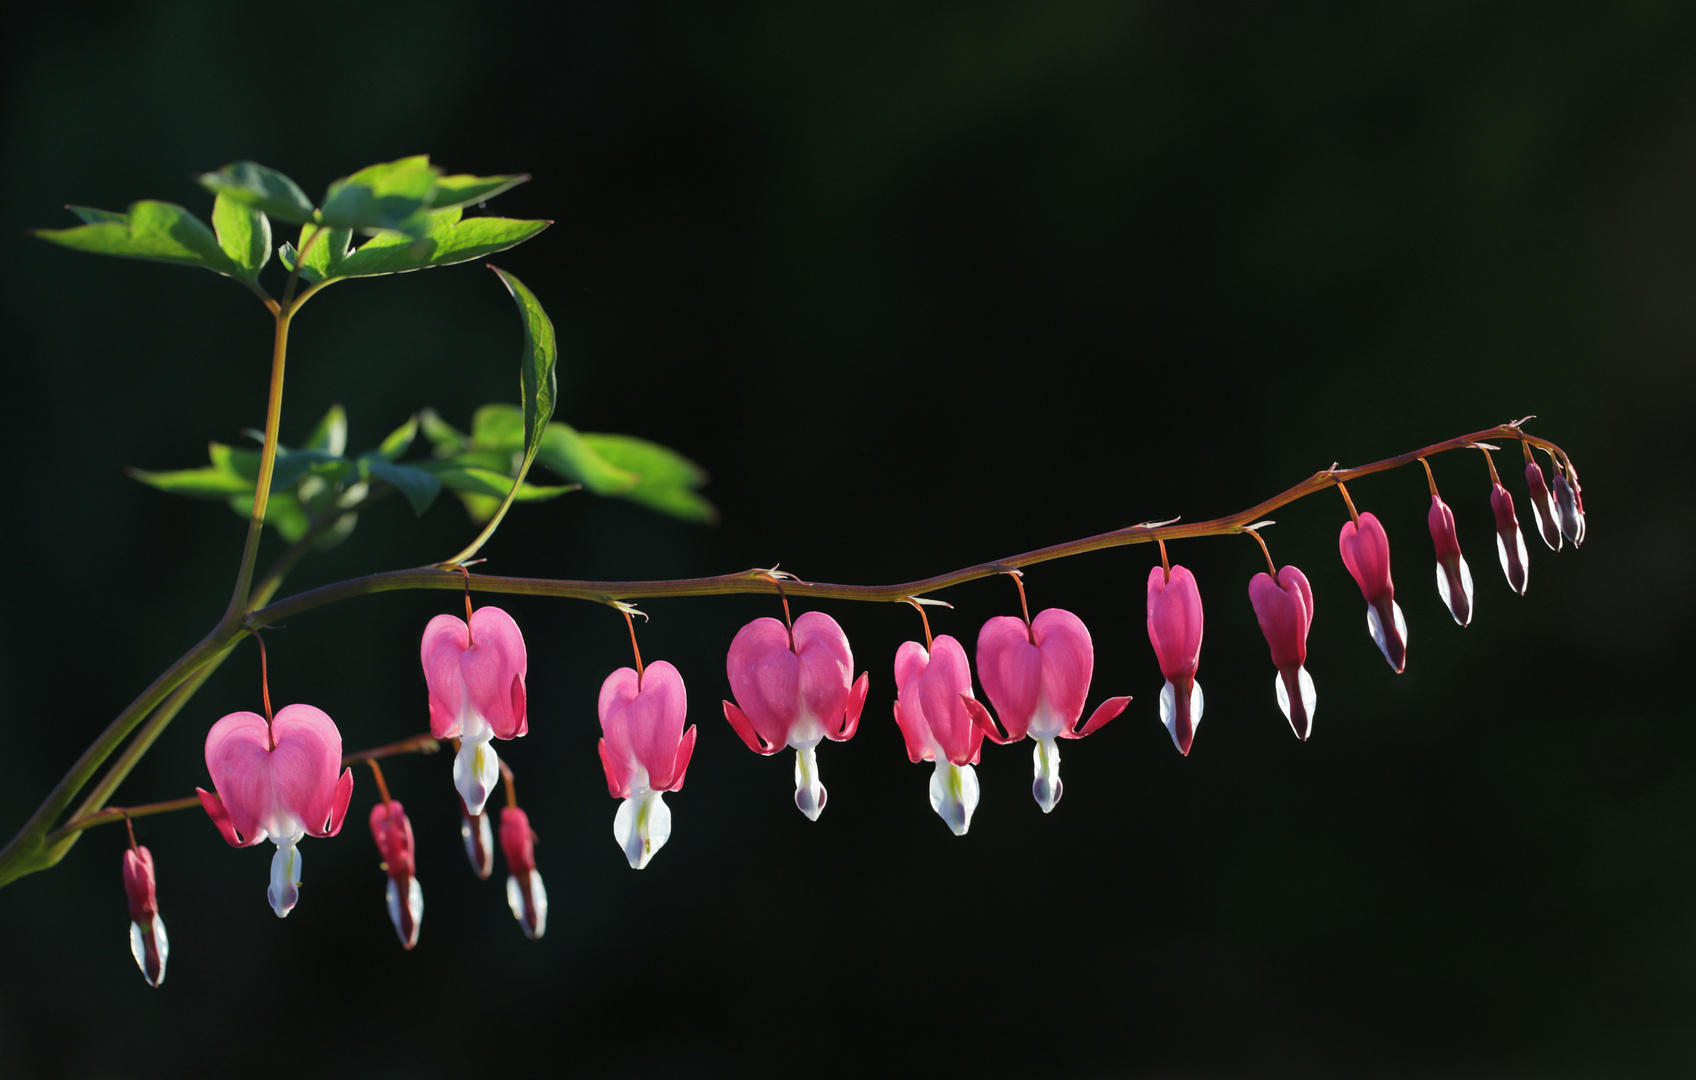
x: 1454, y: 577
x: 1174, y: 628
x: 1366, y: 552
x: 524, y: 891
x: 1510, y: 544
x: 475, y: 676
x: 278, y: 784
x: 794, y: 692
x: 479, y: 845
x: 1285, y: 610
x: 393, y: 833
x: 1569, y: 497
x: 930, y: 708
x: 645, y: 753
x: 1543, y: 510
x: 1039, y: 688
x: 148, y: 943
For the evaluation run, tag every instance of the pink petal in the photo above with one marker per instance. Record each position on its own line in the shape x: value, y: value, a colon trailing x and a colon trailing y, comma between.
x: 945, y: 679
x: 985, y: 722
x: 338, y: 806
x: 914, y: 733
x: 445, y: 639
x: 856, y: 705
x: 1068, y: 662
x: 1293, y: 581
x: 1366, y: 552
x: 1282, y: 617
x: 655, y: 722
x: 1104, y: 712
x: 685, y: 751
x: 491, y: 667
x: 238, y: 757
x: 911, y: 659
x: 1011, y: 669
x: 744, y: 729
x: 1174, y: 621
x: 221, y: 818
x: 765, y: 679
x: 618, y: 777
x: 616, y: 692
x: 304, y: 767
x: 827, y: 667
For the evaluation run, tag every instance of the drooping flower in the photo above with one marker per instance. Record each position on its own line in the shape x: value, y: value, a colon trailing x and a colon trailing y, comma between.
x: 1174, y: 628
x: 1366, y: 552
x: 1543, y: 510
x: 931, y: 711
x: 1037, y: 677
x: 1284, y: 608
x: 148, y: 943
x: 277, y: 783
x: 1510, y: 542
x: 524, y: 891
x: 475, y: 676
x: 479, y: 844
x: 1569, y: 497
x: 794, y: 690
x: 393, y: 834
x: 645, y: 753
x: 1454, y: 577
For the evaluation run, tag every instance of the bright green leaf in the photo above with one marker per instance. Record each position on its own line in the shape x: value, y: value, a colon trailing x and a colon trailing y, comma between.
x: 393, y: 195
x: 489, y: 482
x: 668, y: 478
x: 448, y: 440
x: 568, y: 454
x: 156, y: 231
x: 244, y: 233
x: 398, y: 441
x: 266, y: 190
x: 420, y: 486
x: 446, y: 240
x: 330, y: 435
x: 282, y: 511
x: 292, y: 465
x: 465, y: 190
x: 92, y: 216
x: 323, y: 258
x: 208, y: 482
x: 498, y: 427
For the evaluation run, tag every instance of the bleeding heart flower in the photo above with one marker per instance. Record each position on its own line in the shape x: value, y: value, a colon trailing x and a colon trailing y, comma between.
x: 1366, y: 552
x: 645, y: 753
x: 930, y: 708
x: 794, y: 690
x: 1174, y: 628
x: 148, y: 943
x: 393, y: 833
x: 1454, y: 577
x: 1285, y: 610
x: 277, y: 782
x: 476, y: 681
x: 479, y: 844
x: 1570, y: 498
x: 1543, y: 510
x: 1037, y: 677
x: 524, y: 891
x: 1510, y: 543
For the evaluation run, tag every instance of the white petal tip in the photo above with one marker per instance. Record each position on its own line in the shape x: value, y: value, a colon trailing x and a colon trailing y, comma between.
x: 954, y: 795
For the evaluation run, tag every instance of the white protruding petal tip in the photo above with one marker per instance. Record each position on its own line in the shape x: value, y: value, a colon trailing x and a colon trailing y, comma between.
x: 284, y: 891
x: 476, y: 770
x: 810, y: 794
x: 161, y: 947
x: 406, y: 928
x: 954, y: 794
x: 529, y: 903
x: 642, y: 826
x: 1047, y: 788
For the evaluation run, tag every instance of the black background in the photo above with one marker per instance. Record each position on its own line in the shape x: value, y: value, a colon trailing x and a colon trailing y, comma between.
x: 921, y: 286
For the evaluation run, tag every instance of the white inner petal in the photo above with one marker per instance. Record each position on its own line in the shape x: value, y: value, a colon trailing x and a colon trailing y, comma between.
x: 284, y: 892
x: 954, y: 794
x: 642, y: 825
x: 1046, y: 788
x: 810, y: 794
x: 476, y: 770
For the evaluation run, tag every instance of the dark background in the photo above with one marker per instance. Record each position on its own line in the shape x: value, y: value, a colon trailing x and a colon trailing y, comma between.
x: 921, y: 286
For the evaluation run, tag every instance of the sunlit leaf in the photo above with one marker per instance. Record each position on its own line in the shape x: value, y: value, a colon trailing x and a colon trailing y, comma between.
x: 330, y: 435
x: 282, y: 512
x: 492, y: 483
x: 498, y: 427
x: 155, y: 231
x: 266, y: 190
x: 465, y: 190
x: 398, y: 441
x: 207, y: 482
x: 446, y: 438
x: 244, y: 234
x: 92, y: 216
x: 668, y: 478
x: 392, y: 195
x: 420, y: 486
x: 446, y: 239
x: 568, y: 454
x: 324, y: 256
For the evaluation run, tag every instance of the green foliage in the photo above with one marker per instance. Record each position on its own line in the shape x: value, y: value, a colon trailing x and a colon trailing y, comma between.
x: 266, y: 190
x: 668, y: 479
x: 155, y: 231
x: 446, y: 239
x: 244, y: 234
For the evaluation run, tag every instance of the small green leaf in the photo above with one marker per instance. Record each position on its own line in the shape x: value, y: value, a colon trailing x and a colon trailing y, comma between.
x: 498, y: 427
x: 489, y: 482
x: 393, y: 195
x: 420, y: 486
x: 448, y: 440
x: 568, y: 454
x: 92, y: 216
x: 208, y: 482
x: 330, y: 435
x: 235, y: 461
x: 156, y: 231
x: 323, y: 258
x: 292, y: 465
x: 266, y: 190
x: 465, y: 190
x: 668, y: 478
x: 244, y: 233
x: 399, y: 441
x: 283, y: 512
x: 446, y: 240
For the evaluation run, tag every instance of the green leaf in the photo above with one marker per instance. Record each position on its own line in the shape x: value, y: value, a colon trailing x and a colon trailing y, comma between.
x: 568, y: 454
x: 155, y: 231
x: 420, y: 486
x: 94, y: 217
x: 208, y: 482
x: 489, y: 482
x: 668, y: 478
x: 393, y: 195
x: 283, y: 512
x: 235, y: 461
x: 446, y: 240
x: 448, y: 439
x: 465, y: 190
x: 323, y: 258
x: 244, y: 233
x: 498, y: 427
x: 399, y: 441
x: 330, y: 435
x: 266, y: 190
